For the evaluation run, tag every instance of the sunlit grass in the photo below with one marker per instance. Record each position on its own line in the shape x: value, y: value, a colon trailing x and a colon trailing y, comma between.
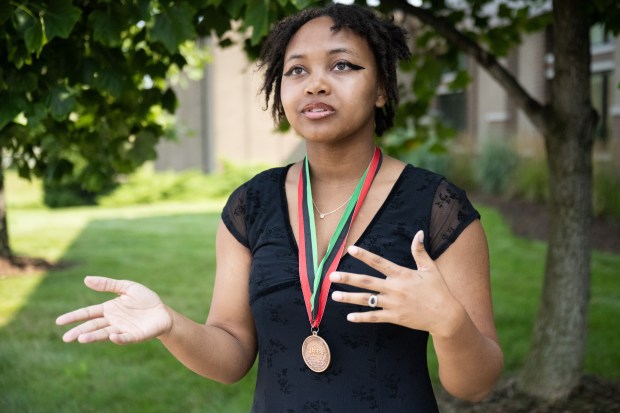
x: 14, y: 293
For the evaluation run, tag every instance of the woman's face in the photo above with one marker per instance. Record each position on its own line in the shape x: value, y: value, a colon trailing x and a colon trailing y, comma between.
x: 330, y: 86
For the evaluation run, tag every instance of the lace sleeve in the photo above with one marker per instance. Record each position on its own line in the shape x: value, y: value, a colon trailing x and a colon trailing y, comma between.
x: 451, y: 214
x: 233, y: 215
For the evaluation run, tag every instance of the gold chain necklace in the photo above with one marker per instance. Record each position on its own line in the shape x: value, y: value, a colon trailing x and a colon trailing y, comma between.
x: 322, y: 215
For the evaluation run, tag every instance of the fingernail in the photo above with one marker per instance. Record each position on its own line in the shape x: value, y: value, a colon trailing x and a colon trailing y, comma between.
x: 335, y: 276
x: 337, y: 296
x: 353, y: 250
x: 420, y: 236
x: 351, y: 317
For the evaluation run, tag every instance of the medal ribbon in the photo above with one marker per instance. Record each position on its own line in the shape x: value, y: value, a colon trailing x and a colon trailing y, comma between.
x: 313, y: 275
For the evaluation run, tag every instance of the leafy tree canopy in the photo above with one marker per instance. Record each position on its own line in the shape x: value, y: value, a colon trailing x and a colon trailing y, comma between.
x: 83, y: 82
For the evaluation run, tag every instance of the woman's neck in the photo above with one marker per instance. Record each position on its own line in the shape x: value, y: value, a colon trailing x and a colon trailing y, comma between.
x: 338, y: 166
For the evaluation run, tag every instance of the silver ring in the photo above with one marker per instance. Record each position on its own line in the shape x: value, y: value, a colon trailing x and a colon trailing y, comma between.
x: 373, y: 300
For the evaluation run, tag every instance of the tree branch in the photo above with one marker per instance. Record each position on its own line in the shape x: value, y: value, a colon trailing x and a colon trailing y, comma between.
x: 534, y: 110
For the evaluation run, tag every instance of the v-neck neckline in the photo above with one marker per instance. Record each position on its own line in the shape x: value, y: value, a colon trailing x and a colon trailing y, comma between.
x: 284, y: 205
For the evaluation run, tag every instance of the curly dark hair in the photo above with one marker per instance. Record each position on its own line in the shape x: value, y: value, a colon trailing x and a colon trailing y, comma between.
x: 387, y: 41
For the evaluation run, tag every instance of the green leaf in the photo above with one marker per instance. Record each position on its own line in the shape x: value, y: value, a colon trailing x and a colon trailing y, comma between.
x: 214, y: 20
x: 257, y: 17
x: 35, y: 113
x: 34, y: 37
x: 85, y: 120
x: 110, y: 81
x: 301, y: 4
x: 59, y: 169
x: 8, y: 111
x: 143, y: 148
x: 233, y: 7
x: 142, y: 9
x: 504, y: 11
x: 173, y: 26
x: 23, y: 81
x: 437, y: 148
x: 5, y: 11
x: 169, y: 101
x: 107, y: 28
x: 22, y: 20
x: 61, y: 102
x: 19, y: 56
x: 460, y: 81
x: 29, y: 25
x: 60, y: 18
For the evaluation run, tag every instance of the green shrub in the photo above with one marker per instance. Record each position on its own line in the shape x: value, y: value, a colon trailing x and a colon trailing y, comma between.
x: 532, y: 181
x: 429, y: 154
x: 223, y: 183
x: 461, y: 171
x: 426, y: 158
x: 70, y: 192
x: 424, y: 151
x: 496, y: 167
x: 147, y: 186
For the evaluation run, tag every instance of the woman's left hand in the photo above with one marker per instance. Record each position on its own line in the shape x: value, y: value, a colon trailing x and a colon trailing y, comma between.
x: 418, y: 299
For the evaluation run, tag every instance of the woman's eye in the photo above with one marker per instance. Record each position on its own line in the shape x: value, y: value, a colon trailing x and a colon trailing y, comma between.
x: 344, y: 65
x: 294, y: 71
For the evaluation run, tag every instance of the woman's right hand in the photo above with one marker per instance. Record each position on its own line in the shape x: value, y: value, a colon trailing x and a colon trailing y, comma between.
x: 136, y: 315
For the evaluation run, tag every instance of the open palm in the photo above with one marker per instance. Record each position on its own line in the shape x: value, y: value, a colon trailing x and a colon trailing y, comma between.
x: 137, y: 314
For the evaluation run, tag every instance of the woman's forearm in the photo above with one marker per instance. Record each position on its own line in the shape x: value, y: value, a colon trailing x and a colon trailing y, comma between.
x: 212, y: 351
x: 470, y: 363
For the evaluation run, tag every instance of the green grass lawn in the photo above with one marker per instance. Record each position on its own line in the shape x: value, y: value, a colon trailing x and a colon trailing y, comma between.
x: 170, y: 247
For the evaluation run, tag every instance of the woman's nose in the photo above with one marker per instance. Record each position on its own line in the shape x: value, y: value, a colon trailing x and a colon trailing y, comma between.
x: 317, y: 84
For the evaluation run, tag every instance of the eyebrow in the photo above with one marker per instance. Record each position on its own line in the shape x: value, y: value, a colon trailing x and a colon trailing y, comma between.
x: 331, y: 52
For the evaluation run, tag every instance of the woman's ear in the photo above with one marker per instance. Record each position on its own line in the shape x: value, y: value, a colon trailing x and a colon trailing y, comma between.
x: 381, y: 97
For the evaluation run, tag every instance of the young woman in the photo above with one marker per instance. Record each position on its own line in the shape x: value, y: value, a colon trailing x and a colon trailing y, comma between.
x: 334, y: 270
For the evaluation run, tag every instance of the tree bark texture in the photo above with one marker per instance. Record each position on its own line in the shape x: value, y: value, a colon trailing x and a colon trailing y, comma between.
x: 555, y: 363
x: 5, y: 249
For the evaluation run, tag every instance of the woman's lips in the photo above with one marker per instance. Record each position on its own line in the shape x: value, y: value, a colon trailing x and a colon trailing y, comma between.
x: 317, y: 110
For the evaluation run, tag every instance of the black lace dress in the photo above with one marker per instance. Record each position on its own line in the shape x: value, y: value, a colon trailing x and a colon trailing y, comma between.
x: 374, y: 367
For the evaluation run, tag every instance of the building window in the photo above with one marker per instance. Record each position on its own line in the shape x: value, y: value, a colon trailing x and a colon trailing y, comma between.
x: 599, y: 35
x: 451, y: 110
x: 451, y: 103
x: 601, y: 92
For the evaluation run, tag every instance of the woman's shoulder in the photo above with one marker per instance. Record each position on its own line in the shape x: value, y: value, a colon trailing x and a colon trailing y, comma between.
x: 245, y: 202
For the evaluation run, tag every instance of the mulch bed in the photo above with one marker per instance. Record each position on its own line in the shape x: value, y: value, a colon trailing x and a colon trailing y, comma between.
x: 22, y: 266
x: 593, y: 395
x: 531, y: 220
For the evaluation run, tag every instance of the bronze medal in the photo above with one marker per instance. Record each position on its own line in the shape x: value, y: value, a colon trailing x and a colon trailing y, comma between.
x: 315, y: 352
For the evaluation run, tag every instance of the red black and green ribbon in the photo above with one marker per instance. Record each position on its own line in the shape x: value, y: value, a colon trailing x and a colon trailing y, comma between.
x: 313, y: 274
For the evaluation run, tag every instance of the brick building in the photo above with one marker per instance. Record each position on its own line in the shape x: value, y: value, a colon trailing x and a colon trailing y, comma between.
x: 221, y: 117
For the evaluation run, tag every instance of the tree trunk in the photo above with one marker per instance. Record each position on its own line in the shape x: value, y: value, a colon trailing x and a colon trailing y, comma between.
x: 555, y: 363
x: 5, y: 249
